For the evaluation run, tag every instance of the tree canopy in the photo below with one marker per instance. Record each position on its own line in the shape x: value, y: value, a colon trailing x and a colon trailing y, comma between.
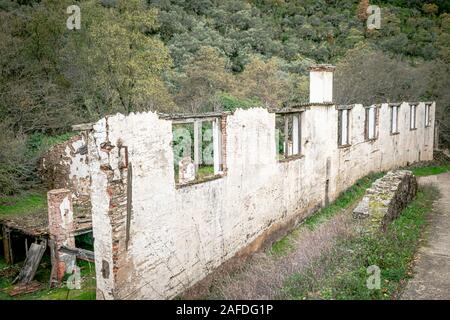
x: 203, y: 55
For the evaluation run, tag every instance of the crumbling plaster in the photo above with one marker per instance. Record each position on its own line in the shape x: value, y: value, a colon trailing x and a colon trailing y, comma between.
x: 177, y: 236
x: 65, y: 165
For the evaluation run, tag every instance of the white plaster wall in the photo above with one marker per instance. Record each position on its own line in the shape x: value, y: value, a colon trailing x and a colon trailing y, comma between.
x: 64, y: 167
x: 99, y: 197
x: 178, y: 236
x: 321, y: 86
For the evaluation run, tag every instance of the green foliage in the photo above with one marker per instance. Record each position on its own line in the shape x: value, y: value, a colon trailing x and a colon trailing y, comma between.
x: 231, y: 103
x: 282, y: 246
x: 85, y: 241
x: 428, y: 171
x: 121, y: 64
x: 38, y: 141
x: 203, y: 78
x: 342, y: 274
x: 276, y: 28
x: 196, y: 56
x: 25, y: 203
x: 19, y: 155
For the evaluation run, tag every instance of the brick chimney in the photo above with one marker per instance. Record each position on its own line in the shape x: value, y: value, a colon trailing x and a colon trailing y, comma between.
x: 321, y: 83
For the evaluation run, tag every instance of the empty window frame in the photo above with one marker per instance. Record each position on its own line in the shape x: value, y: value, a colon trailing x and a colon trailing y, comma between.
x: 427, y: 115
x: 371, y: 123
x: 394, y: 119
x: 412, y: 116
x: 288, y: 134
x: 344, y: 127
x: 197, y: 149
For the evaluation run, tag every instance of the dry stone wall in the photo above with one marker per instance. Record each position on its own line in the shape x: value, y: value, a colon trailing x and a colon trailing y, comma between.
x: 386, y: 199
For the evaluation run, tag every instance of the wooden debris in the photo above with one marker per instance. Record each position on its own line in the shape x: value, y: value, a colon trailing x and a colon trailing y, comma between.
x: 32, y: 262
x: 9, y: 271
x: 52, y: 281
x: 25, y: 288
x: 6, y: 235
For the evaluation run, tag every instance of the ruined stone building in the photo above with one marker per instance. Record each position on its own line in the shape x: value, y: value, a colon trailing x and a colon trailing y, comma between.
x: 174, y: 197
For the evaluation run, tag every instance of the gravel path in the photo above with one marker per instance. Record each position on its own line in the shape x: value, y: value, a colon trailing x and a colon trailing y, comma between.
x: 432, y: 268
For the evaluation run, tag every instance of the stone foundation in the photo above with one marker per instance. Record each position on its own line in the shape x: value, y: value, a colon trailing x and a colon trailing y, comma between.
x: 387, y: 198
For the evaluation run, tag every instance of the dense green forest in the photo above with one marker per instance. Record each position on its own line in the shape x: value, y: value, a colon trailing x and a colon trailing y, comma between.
x: 202, y: 55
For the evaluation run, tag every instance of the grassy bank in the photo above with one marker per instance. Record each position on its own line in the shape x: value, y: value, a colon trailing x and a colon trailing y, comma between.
x: 27, y: 202
x: 343, y: 273
x: 343, y: 202
x: 430, y: 170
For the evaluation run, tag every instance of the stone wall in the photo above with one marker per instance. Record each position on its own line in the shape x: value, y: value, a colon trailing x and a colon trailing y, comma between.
x: 386, y: 199
x: 65, y: 165
x: 154, y: 239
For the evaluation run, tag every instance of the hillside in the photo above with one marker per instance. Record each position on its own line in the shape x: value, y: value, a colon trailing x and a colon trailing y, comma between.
x: 203, y: 55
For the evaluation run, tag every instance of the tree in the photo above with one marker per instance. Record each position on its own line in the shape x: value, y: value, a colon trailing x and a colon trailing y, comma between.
x: 265, y: 81
x: 33, y: 90
x: 362, y: 10
x: 430, y: 8
x: 121, y: 66
x: 369, y: 76
x: 204, y: 76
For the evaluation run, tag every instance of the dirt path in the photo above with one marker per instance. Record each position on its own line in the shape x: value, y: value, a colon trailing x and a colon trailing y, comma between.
x: 432, y: 269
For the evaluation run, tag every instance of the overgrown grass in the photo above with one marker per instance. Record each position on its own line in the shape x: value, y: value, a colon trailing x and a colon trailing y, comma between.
x: 27, y: 202
x: 344, y: 201
x: 431, y: 170
x: 87, y: 291
x: 283, y: 246
x: 205, y: 171
x: 343, y: 273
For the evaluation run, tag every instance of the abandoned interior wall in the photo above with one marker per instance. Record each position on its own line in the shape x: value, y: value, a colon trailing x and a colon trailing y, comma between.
x: 65, y: 165
x: 154, y: 239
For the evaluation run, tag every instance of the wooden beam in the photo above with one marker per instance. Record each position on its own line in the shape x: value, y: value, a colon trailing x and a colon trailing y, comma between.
x: 291, y: 110
x: 286, y: 136
x: 83, y: 127
x: 197, y: 144
x: 436, y: 135
x: 296, y: 134
x: 7, y: 249
x: 82, y: 254
x: 217, y: 149
x: 183, y: 118
x: 53, y: 278
x: 129, y: 202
